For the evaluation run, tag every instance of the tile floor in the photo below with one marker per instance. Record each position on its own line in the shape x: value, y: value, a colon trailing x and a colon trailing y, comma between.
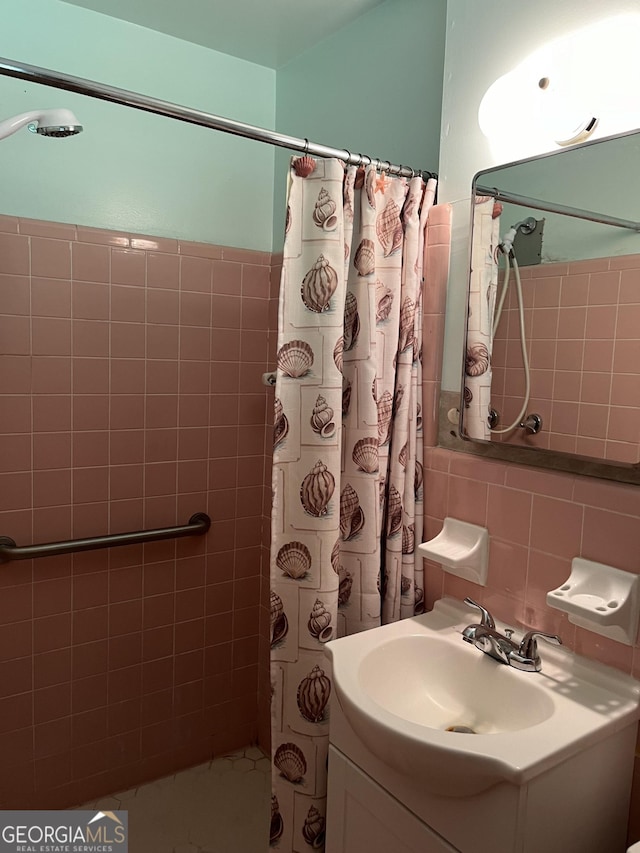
x: 222, y: 806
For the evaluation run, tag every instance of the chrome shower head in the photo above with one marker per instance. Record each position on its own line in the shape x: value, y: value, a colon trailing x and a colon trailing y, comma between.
x: 57, y: 123
x: 58, y: 131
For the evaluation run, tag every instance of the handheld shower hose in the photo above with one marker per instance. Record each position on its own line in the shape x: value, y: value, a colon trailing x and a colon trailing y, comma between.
x: 506, y: 247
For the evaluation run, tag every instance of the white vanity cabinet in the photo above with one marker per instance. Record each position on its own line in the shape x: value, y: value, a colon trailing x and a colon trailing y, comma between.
x: 363, y: 816
x: 581, y: 804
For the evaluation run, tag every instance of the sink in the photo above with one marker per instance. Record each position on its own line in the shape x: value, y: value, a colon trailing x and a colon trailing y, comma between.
x: 425, y: 702
x: 436, y: 684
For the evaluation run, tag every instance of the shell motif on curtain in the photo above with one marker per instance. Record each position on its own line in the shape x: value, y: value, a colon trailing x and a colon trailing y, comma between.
x: 347, y: 465
x: 482, y: 297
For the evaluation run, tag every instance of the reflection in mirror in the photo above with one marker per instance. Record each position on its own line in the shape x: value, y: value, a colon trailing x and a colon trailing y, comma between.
x: 553, y: 338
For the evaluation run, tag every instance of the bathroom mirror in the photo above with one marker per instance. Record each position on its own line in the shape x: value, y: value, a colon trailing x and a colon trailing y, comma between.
x: 553, y: 375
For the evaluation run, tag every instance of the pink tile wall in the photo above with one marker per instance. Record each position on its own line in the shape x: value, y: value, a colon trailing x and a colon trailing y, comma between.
x: 131, y: 398
x: 537, y: 521
x: 264, y: 675
x: 581, y: 322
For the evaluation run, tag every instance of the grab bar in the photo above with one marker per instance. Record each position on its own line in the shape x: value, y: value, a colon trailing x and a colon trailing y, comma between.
x: 197, y: 525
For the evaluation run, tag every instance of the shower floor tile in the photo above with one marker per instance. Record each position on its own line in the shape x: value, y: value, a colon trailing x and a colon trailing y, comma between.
x: 222, y: 806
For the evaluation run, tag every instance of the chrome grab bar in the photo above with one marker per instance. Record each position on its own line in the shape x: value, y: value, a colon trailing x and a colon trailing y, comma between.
x: 197, y: 525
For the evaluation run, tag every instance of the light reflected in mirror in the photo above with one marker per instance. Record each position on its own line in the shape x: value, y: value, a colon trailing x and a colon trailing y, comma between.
x: 573, y: 386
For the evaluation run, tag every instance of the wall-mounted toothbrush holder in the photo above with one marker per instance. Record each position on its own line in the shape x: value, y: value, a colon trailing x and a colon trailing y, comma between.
x: 601, y: 599
x: 461, y: 548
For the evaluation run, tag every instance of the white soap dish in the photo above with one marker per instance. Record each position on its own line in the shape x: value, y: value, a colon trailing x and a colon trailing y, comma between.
x: 461, y: 548
x: 601, y: 599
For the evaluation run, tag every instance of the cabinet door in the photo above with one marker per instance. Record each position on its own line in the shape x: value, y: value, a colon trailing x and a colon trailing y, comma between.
x: 363, y: 816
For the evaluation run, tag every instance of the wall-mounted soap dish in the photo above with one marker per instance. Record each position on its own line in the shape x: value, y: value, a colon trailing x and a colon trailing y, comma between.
x: 601, y: 599
x: 461, y: 548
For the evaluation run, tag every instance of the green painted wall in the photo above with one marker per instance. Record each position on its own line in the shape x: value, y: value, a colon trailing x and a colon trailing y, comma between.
x: 373, y: 87
x: 130, y: 170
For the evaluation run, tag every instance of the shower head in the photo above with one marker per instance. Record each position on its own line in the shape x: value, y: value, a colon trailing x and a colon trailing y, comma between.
x: 525, y: 226
x: 57, y: 123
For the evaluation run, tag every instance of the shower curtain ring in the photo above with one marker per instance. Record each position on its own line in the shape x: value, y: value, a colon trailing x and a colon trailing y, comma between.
x: 306, y: 146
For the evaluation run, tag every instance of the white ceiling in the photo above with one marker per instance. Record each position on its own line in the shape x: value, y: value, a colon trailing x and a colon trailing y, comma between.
x: 267, y: 32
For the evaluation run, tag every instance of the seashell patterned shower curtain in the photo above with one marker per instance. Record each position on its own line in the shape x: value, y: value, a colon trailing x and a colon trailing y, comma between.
x: 347, y: 463
x: 483, y: 285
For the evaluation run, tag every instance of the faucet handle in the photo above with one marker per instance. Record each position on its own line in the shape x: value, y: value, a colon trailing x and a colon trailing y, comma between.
x: 487, y: 619
x: 529, y: 645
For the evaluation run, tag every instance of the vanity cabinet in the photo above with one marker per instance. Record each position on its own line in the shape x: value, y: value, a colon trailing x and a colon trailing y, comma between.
x: 580, y: 804
x: 363, y: 816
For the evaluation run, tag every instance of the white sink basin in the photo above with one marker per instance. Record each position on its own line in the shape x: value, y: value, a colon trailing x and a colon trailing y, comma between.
x: 439, y: 685
x: 402, y: 688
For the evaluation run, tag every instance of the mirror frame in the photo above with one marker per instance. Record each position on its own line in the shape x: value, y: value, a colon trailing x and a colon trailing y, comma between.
x: 451, y: 437
x: 455, y: 439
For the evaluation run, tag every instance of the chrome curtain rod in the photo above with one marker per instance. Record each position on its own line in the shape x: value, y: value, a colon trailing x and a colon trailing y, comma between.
x: 551, y: 207
x: 197, y: 525
x: 35, y: 74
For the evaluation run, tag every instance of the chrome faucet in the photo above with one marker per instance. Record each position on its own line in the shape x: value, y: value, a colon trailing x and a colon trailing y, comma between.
x: 501, y: 647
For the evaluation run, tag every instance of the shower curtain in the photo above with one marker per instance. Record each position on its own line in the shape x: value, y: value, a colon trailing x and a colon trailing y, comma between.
x: 482, y: 296
x: 347, y: 469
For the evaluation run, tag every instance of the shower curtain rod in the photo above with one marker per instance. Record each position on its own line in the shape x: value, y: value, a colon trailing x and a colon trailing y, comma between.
x: 47, y: 77
x: 551, y: 207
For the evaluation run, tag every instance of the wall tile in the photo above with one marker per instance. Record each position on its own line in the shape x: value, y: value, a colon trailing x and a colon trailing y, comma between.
x: 50, y: 336
x: 163, y: 307
x: 50, y: 257
x: 8, y: 224
x: 89, y: 263
x: 127, y: 340
x: 195, y: 309
x: 15, y: 491
x: 225, y: 312
x: 611, y: 538
x: 50, y: 703
x: 109, y: 423
x: 90, y: 375
x: 162, y: 342
x: 52, y: 668
x: 467, y: 500
x: 255, y: 281
x: 127, y: 304
x: 128, y: 376
x: 52, y: 524
x: 163, y: 270
x: 14, y: 254
x: 52, y: 488
x: 128, y: 266
x: 50, y: 297
x: 91, y: 412
x: 91, y: 338
x: 195, y: 274
x: 509, y: 514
